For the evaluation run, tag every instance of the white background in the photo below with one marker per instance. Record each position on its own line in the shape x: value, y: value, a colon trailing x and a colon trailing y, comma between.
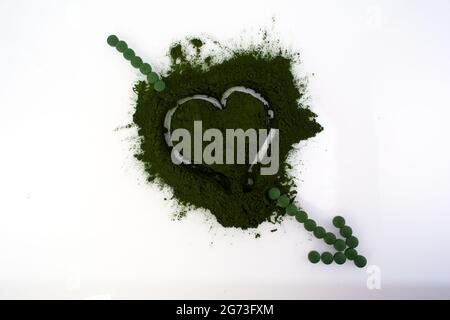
x: 78, y: 220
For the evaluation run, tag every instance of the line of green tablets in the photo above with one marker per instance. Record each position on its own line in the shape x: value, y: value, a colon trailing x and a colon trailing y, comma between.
x: 345, y: 249
x: 351, y: 242
x: 136, y: 62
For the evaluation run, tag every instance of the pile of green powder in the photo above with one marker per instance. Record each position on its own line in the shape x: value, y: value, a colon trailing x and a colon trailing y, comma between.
x: 265, y: 68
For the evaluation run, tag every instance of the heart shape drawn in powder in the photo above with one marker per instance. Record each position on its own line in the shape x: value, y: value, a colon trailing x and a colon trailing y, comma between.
x: 248, y: 181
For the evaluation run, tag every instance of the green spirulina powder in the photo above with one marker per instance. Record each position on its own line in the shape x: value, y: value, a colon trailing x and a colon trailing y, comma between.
x: 265, y: 68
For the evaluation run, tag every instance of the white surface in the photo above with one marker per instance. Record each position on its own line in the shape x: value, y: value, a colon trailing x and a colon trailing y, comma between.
x: 78, y: 220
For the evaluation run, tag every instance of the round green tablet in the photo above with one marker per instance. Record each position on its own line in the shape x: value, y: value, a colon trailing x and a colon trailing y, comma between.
x: 128, y: 54
x: 145, y: 68
x: 339, y: 245
x: 319, y: 232
x: 351, y: 253
x: 152, y: 77
x: 274, y: 193
x: 339, y: 258
x: 329, y: 238
x: 112, y: 40
x: 326, y: 257
x: 159, y: 85
x: 360, y: 261
x: 136, y: 62
x: 283, y: 201
x: 310, y: 225
x: 301, y: 216
x: 346, y: 231
x: 314, y: 256
x: 121, y: 46
x: 291, y: 209
x: 338, y: 222
x: 352, y: 242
